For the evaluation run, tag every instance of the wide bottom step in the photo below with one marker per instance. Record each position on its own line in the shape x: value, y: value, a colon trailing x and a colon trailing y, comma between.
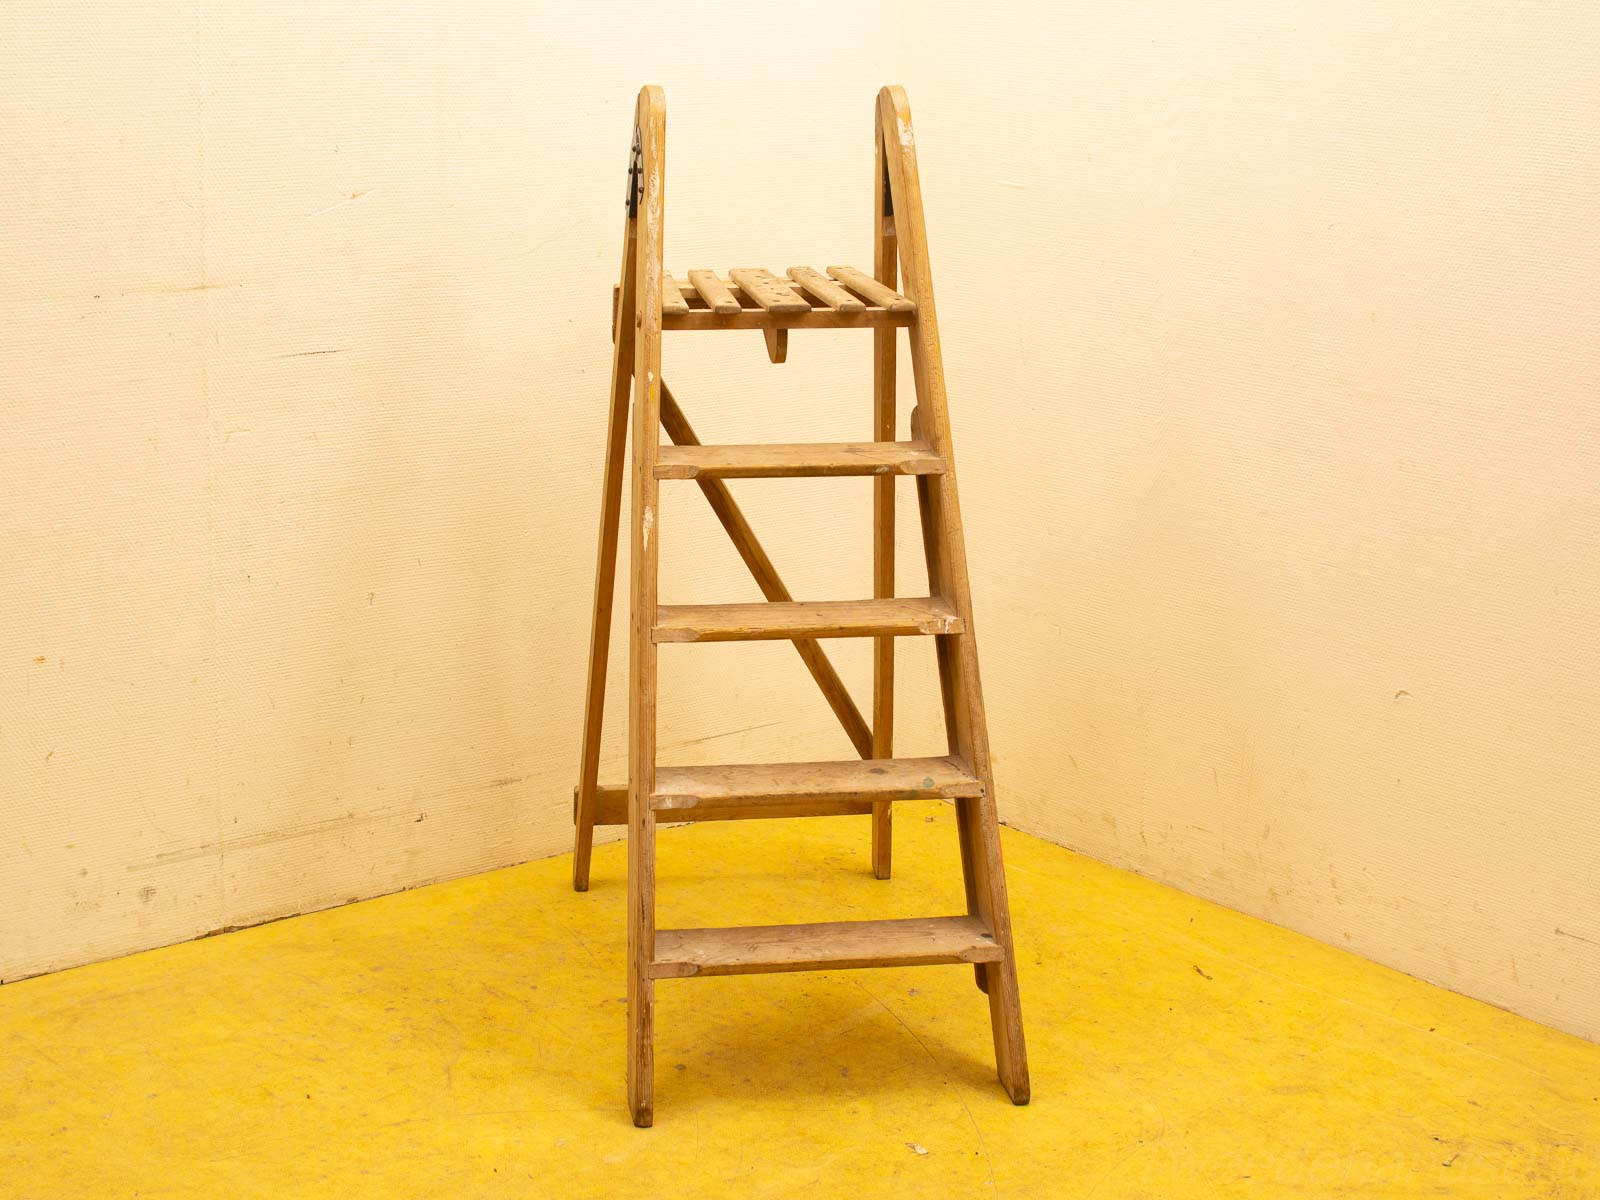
x: 830, y: 946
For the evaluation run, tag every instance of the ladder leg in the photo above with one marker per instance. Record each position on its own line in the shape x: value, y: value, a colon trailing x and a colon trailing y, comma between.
x: 947, y: 576
x: 999, y: 978
x: 642, y: 651
x: 605, y: 570
x: 883, y: 491
x: 977, y: 822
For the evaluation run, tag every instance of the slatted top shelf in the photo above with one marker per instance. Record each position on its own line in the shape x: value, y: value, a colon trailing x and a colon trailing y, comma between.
x: 804, y: 298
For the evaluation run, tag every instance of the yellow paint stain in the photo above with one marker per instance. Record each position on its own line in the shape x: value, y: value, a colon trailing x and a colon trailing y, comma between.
x: 466, y: 1039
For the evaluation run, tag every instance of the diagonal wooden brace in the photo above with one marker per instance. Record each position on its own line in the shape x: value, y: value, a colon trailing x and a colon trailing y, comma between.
x: 766, y: 576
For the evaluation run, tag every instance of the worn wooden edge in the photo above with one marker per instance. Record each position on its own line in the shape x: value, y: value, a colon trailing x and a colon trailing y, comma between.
x: 715, y: 293
x: 872, y: 290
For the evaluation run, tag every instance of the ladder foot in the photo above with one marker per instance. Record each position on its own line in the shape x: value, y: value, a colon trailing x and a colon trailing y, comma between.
x: 641, y: 1063
x: 999, y: 980
x: 582, y: 837
x: 882, y: 840
x: 580, y: 862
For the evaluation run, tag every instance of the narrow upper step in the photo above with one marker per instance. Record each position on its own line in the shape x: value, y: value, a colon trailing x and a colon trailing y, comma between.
x: 833, y: 945
x: 900, y: 616
x: 776, y: 461
x: 702, y: 789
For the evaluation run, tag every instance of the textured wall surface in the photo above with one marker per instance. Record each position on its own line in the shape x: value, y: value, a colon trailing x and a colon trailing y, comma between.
x: 1270, y: 334
x: 304, y: 343
x: 1286, y: 500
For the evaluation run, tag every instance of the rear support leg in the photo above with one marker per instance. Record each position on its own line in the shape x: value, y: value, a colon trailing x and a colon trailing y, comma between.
x: 605, y: 570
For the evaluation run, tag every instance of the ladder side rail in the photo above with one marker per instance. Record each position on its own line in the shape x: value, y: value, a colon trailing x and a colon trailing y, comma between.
x: 884, y: 267
x: 968, y: 733
x: 651, y: 118
x: 930, y: 514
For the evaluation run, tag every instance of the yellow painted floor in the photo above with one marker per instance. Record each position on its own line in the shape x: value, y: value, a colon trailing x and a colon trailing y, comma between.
x: 467, y: 1040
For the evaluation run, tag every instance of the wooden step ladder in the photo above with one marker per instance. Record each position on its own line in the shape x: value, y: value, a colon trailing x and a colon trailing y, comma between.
x: 648, y: 301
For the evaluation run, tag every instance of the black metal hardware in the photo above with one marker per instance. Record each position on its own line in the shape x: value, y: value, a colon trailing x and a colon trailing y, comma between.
x: 635, y: 175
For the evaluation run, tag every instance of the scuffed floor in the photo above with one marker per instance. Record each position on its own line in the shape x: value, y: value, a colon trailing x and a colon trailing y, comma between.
x: 466, y: 1040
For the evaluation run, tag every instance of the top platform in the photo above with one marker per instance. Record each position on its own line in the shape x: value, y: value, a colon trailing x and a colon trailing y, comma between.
x: 754, y: 298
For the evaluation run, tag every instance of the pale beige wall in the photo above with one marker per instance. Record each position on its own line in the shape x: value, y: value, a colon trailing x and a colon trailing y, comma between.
x: 1285, y: 496
x: 1282, y: 499
x: 304, y: 341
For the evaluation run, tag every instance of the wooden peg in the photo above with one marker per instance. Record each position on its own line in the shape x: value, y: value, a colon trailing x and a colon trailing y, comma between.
x: 777, y: 343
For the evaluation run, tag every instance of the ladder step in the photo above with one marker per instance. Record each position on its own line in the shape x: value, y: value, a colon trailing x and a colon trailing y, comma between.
x: 749, y: 791
x: 897, y: 617
x: 833, y: 945
x: 749, y: 785
x: 611, y: 808
x: 816, y: 460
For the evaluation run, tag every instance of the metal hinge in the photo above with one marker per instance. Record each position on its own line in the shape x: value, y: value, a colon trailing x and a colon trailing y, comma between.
x: 635, y: 175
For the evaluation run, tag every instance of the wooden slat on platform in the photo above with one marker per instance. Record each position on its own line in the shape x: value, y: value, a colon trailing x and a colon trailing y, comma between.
x: 865, y: 285
x: 716, y: 294
x: 672, y: 301
x: 825, y: 289
x: 767, y: 290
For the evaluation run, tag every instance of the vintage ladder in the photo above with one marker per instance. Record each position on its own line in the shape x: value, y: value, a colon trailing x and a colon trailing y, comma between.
x: 648, y: 302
